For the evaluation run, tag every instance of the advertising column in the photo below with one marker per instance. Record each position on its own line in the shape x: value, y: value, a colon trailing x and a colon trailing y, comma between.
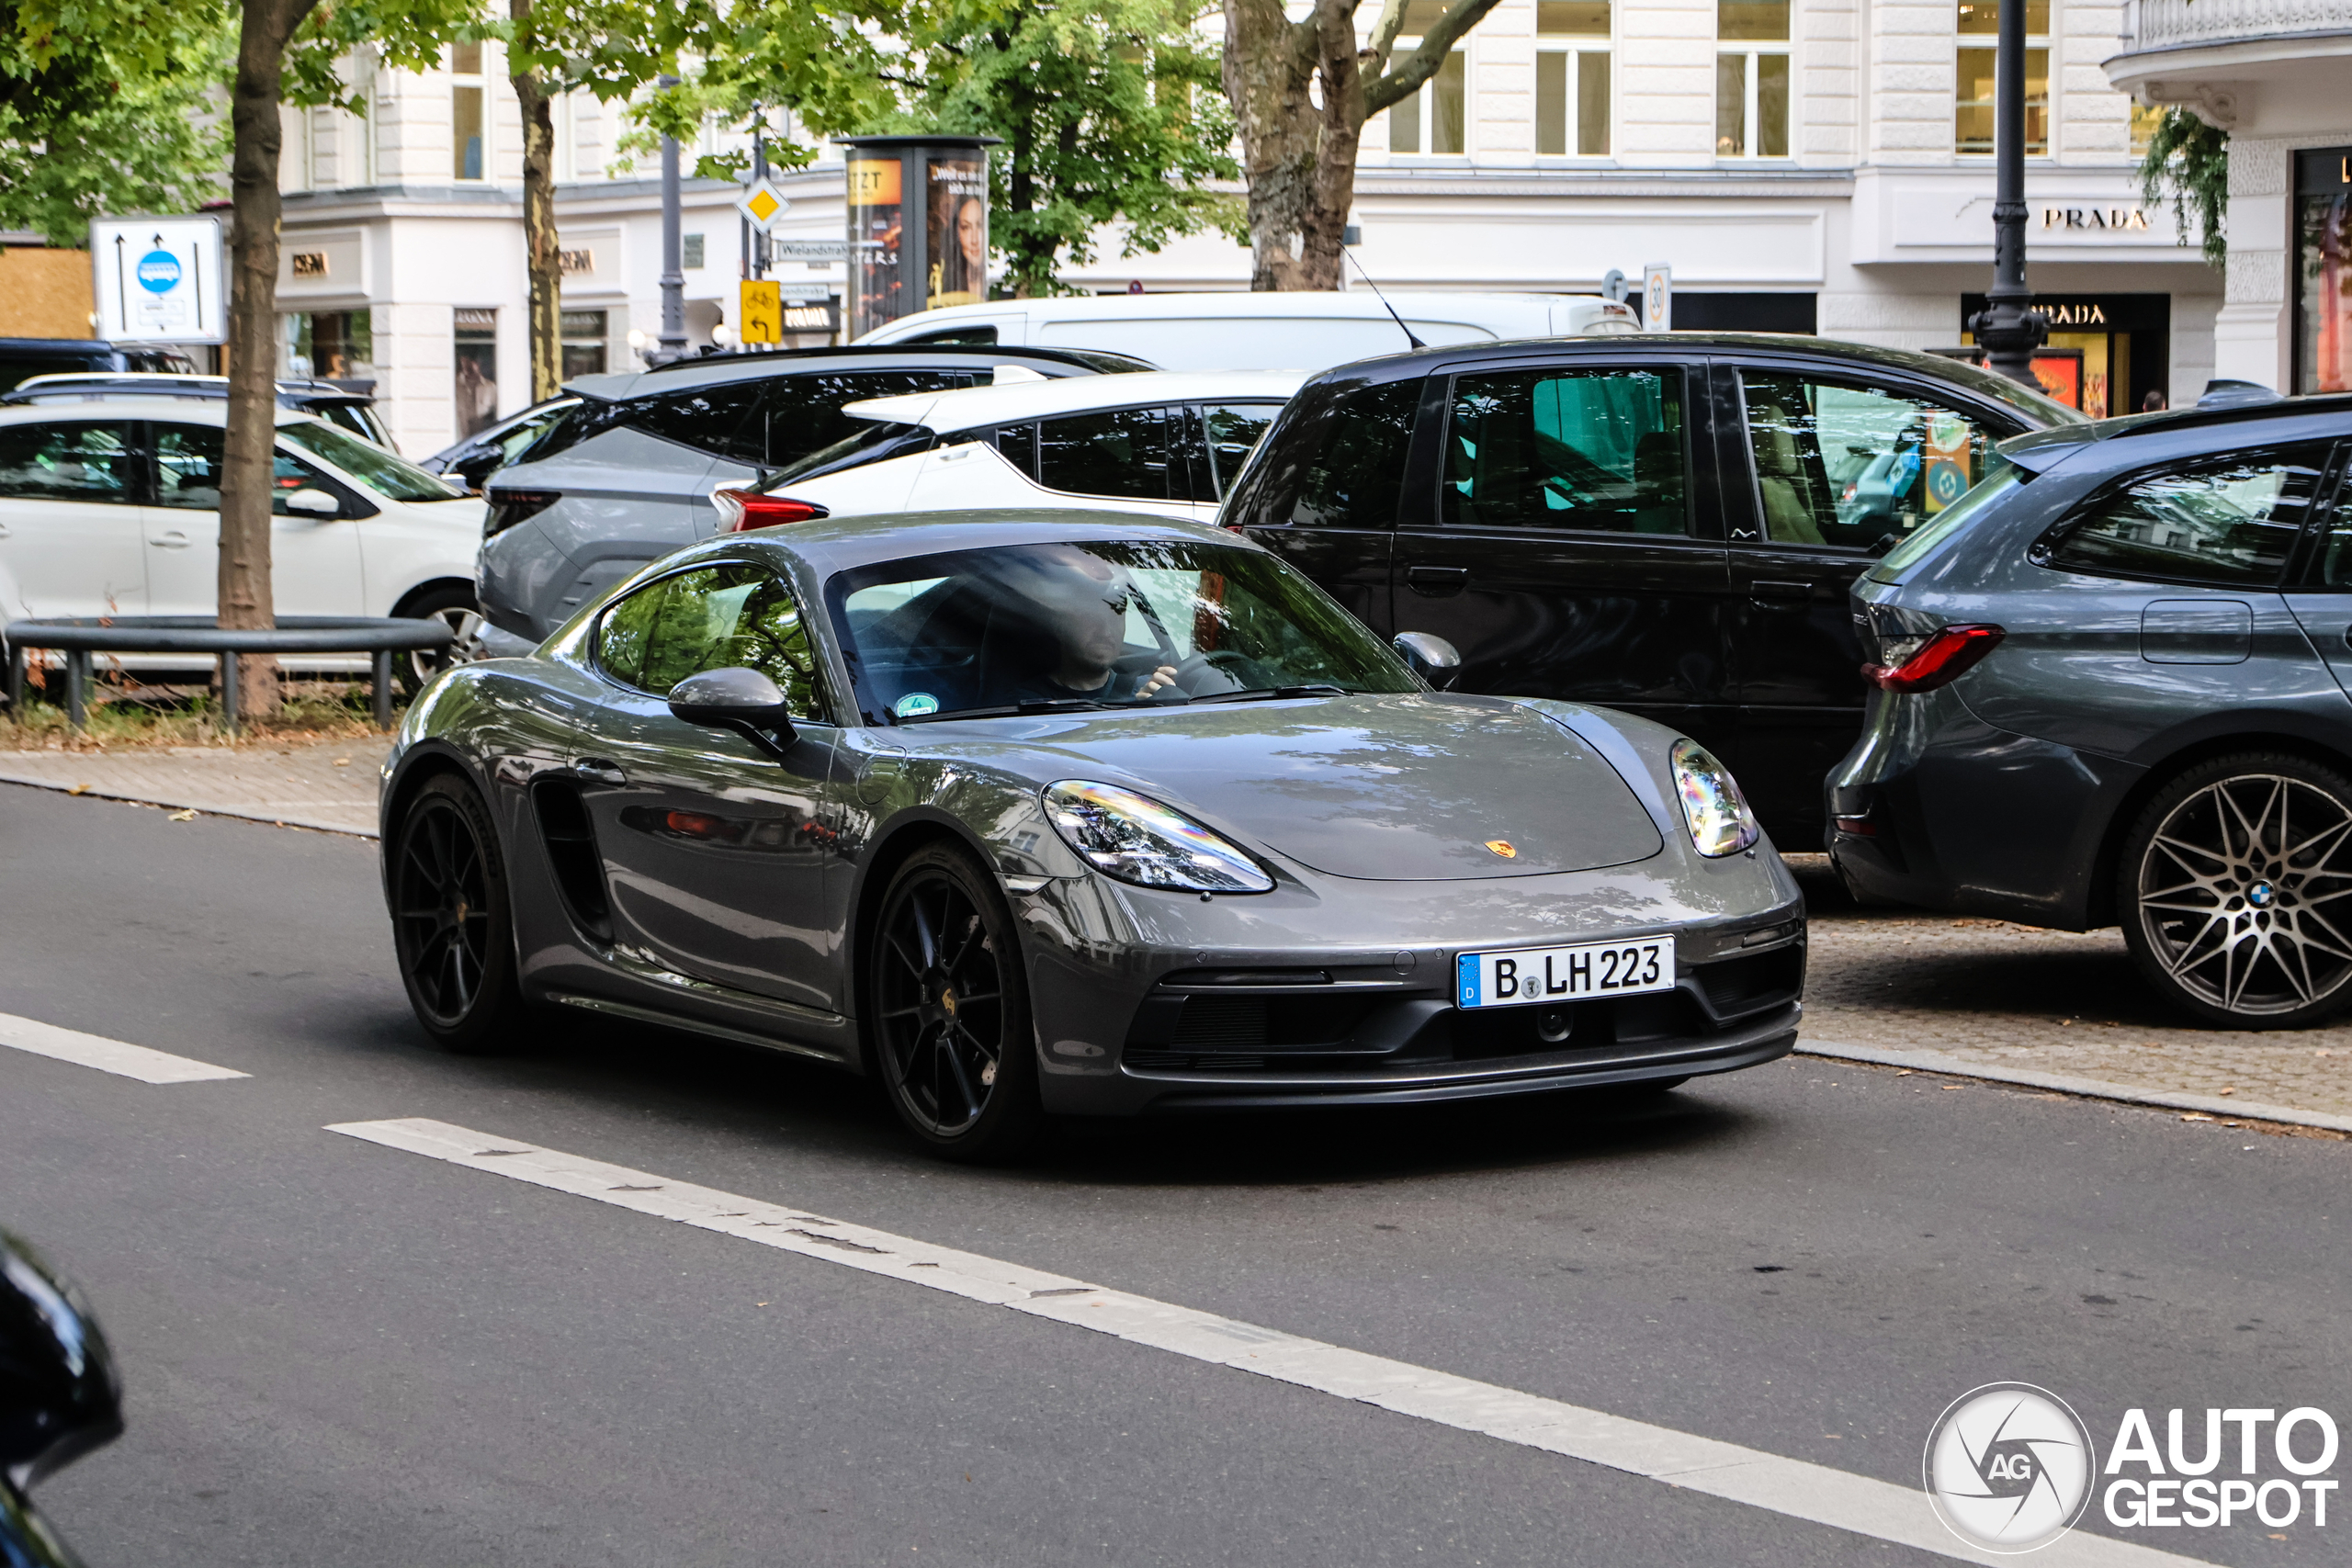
x: 917, y: 226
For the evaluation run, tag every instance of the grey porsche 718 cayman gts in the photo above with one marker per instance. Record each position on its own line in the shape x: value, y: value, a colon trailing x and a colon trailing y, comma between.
x: 1087, y: 815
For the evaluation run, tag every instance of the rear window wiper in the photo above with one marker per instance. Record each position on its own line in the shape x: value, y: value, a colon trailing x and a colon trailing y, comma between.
x: 1260, y: 693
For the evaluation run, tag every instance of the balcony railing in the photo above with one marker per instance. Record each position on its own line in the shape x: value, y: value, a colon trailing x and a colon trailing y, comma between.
x: 2176, y: 24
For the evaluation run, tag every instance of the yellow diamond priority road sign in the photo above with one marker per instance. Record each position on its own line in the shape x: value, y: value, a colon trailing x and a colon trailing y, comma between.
x: 763, y: 205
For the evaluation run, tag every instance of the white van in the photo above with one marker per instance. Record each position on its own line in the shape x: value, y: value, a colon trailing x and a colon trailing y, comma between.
x: 1262, y: 332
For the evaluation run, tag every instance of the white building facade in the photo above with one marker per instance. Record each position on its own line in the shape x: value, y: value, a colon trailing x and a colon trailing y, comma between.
x: 1809, y: 165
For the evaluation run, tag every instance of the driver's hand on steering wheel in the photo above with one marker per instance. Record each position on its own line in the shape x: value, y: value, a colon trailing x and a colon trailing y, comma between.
x: 1159, y: 680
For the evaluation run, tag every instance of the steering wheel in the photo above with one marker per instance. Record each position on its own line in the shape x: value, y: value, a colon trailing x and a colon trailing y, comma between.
x: 1239, y: 668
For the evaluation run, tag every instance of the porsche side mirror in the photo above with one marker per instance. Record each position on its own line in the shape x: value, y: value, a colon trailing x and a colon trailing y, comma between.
x: 1433, y: 659
x: 312, y: 501
x: 737, y: 698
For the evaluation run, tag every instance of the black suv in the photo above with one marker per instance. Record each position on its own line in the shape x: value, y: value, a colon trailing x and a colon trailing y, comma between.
x: 21, y: 357
x: 624, y: 476
x: 1667, y: 525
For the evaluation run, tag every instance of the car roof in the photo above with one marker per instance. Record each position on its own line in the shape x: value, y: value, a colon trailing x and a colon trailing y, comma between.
x: 111, y: 384
x: 1219, y: 304
x: 2127, y: 438
x: 1985, y: 383
x: 834, y: 544
x: 966, y: 408
x: 180, y: 410
x: 713, y: 370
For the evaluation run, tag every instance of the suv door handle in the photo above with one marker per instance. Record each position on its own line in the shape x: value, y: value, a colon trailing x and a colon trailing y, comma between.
x: 1437, y: 580
x: 598, y: 770
x: 1761, y: 589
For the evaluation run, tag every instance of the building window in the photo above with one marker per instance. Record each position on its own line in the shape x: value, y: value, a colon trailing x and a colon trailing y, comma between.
x: 477, y: 357
x: 2324, y: 270
x: 1752, y: 79
x: 333, y: 345
x: 585, y: 337
x: 2144, y: 120
x: 1572, y: 77
x: 1434, y: 118
x: 467, y: 118
x: 1972, y: 114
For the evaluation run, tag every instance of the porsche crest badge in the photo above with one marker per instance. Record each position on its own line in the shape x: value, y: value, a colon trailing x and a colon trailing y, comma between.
x: 1503, y: 848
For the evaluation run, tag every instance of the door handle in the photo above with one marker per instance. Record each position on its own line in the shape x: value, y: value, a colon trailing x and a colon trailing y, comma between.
x: 596, y: 769
x: 171, y: 539
x: 1434, y: 581
x: 1761, y: 589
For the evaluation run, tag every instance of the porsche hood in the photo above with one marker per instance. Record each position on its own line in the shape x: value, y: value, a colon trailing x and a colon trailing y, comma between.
x: 1415, y: 788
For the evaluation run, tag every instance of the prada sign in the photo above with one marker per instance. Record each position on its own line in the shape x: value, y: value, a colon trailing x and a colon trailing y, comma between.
x: 2126, y: 217
x: 2092, y: 313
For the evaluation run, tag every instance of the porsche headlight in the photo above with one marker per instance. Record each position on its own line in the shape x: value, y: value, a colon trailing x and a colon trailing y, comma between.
x: 1123, y: 834
x: 1713, y: 807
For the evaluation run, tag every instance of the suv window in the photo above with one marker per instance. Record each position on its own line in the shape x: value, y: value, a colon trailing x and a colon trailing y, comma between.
x: 1850, y: 465
x: 714, y: 617
x: 1131, y: 454
x: 86, y: 462
x: 188, y: 467
x: 1337, y: 459
x: 800, y: 415
x: 1233, y: 430
x: 1557, y: 448
x: 2229, y: 522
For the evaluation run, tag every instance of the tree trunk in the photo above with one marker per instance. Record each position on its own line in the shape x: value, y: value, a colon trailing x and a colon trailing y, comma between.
x: 1299, y: 156
x: 247, y: 482
x: 539, y: 239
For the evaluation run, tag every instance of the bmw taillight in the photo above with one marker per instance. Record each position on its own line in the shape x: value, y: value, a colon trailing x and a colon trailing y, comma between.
x: 742, y: 510
x: 1938, y: 661
x: 508, y: 507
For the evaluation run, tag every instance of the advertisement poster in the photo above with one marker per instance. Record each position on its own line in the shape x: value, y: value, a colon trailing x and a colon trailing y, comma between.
x: 958, y: 212
x: 2061, y: 375
x: 876, y: 215
x: 1947, y: 459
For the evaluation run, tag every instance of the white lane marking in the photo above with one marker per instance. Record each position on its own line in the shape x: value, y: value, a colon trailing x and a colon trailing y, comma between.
x: 1800, y: 1490
x: 107, y: 1055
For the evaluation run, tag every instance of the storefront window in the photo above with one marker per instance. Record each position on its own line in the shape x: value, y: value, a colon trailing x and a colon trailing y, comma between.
x: 1572, y: 77
x: 1752, y: 81
x: 2324, y: 270
x: 2106, y: 354
x: 1972, y: 119
x: 585, y: 337
x: 333, y: 345
x: 477, y: 358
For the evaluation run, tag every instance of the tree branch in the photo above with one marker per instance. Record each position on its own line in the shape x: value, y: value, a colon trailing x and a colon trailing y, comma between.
x: 1421, y: 65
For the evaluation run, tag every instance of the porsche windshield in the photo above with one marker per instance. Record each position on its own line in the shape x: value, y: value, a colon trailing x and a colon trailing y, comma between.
x: 1042, y: 628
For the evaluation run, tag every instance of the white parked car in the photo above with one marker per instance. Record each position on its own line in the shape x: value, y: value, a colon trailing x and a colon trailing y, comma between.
x: 113, y: 509
x: 1263, y: 332
x: 1167, y: 442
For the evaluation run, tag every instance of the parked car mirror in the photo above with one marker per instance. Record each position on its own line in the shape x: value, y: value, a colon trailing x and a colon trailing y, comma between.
x: 737, y: 698
x: 1433, y: 659
x: 314, y: 502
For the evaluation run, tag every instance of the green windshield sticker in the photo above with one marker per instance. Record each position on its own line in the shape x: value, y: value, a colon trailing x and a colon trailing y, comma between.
x: 914, y: 705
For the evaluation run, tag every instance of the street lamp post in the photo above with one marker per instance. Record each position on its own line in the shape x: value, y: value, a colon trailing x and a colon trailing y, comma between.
x: 674, y: 275
x: 2008, y: 328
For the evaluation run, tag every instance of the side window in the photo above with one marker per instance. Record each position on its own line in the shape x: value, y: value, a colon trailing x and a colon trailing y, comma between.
x: 799, y: 414
x: 708, y: 419
x: 1848, y: 466
x: 713, y: 619
x: 2230, y: 523
x: 68, y: 462
x: 188, y: 467
x: 1553, y: 449
x: 1125, y: 453
x: 1019, y: 445
x: 290, y: 473
x: 1234, y: 432
x: 1337, y: 461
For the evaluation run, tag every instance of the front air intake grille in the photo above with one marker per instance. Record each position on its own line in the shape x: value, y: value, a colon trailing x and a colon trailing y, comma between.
x: 1736, y: 987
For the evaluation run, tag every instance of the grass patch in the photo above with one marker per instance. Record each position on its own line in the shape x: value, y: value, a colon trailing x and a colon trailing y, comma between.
x: 126, y: 715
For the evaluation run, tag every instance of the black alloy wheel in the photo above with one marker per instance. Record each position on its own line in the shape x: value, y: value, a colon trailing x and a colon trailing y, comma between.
x: 452, y: 927
x: 456, y: 608
x: 2235, y: 891
x: 949, y: 1022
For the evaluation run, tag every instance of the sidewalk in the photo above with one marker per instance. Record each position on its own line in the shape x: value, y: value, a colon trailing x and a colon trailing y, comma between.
x: 329, y: 785
x: 2009, y: 998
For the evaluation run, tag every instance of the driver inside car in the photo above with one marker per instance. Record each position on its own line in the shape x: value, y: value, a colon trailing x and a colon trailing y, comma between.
x: 1075, y: 606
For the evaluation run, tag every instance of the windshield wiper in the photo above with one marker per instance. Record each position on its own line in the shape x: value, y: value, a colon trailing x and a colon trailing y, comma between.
x: 1264, y: 693
x: 1035, y: 705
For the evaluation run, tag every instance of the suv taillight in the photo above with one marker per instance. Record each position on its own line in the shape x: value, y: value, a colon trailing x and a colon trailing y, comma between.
x: 1938, y: 661
x: 508, y: 507
x: 741, y: 511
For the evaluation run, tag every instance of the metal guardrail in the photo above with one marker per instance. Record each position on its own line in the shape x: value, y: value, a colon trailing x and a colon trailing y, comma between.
x: 77, y: 639
x: 2176, y: 24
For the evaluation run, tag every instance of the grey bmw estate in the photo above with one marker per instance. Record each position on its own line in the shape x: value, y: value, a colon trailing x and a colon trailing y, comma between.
x: 1091, y: 814
x: 2110, y: 690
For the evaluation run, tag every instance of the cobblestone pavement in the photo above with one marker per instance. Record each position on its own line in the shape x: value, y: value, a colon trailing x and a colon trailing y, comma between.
x: 324, y: 784
x: 1990, y: 992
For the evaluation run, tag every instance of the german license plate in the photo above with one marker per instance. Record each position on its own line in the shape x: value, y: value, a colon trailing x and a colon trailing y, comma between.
x: 1527, y: 976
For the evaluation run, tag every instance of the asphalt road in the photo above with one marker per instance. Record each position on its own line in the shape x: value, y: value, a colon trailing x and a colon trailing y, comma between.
x: 338, y: 1353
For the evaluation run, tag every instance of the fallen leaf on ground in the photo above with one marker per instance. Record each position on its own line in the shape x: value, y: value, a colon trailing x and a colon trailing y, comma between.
x: 2195, y: 1116
x: 182, y: 817
x: 343, y: 761
x: 2226, y: 1091
x: 79, y: 789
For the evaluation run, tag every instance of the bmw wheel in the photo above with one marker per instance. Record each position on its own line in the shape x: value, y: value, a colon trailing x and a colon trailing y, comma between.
x: 2233, y: 891
x: 456, y: 608
x: 949, y: 1030
x: 452, y: 926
